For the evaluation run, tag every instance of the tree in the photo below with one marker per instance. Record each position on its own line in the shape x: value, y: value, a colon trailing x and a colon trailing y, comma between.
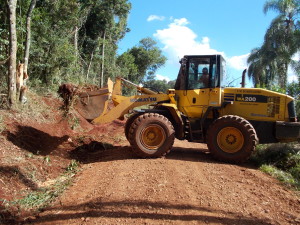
x: 262, y: 67
x: 293, y: 89
x: 105, y: 25
x: 65, y: 40
x: 28, y: 34
x: 4, y: 45
x: 126, y: 65
x: 147, y: 58
x: 159, y: 85
x: 140, y: 63
x: 12, y: 52
x: 270, y: 62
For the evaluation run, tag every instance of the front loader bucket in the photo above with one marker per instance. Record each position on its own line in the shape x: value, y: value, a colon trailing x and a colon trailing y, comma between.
x: 92, y: 104
x: 89, y: 102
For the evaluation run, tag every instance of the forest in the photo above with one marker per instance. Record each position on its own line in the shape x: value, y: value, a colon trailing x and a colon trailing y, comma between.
x: 76, y: 41
x: 71, y: 41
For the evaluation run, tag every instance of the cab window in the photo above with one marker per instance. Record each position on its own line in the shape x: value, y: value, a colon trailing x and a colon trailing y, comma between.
x: 199, y: 71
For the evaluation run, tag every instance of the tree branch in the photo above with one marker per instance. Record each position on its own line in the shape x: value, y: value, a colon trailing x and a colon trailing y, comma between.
x: 4, y: 61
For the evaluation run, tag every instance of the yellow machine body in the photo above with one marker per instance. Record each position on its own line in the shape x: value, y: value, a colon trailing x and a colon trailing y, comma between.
x: 199, y: 109
x: 249, y: 103
x: 256, y: 104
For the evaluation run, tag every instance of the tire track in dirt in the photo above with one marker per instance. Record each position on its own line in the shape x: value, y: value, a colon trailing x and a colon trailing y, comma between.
x: 186, y: 187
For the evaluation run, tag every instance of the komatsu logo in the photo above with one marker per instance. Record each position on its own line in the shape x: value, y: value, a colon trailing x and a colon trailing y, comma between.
x: 150, y: 99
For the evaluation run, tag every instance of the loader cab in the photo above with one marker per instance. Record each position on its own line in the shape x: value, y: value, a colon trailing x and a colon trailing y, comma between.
x: 199, y: 84
x: 200, y: 72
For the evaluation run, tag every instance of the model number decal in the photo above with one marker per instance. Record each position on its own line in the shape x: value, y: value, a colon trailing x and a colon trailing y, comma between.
x: 150, y: 99
x: 251, y: 98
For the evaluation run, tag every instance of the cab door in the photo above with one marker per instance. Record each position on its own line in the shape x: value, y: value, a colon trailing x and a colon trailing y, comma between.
x: 197, y: 102
x: 215, y: 91
x: 201, y: 87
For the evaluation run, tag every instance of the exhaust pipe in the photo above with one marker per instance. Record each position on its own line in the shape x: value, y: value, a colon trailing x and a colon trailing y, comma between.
x: 243, y: 78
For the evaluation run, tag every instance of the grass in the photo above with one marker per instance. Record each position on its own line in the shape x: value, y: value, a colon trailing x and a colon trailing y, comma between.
x: 118, y: 138
x: 281, y: 161
x: 2, y: 125
x: 285, y: 177
x: 47, y: 159
x: 37, y: 200
x: 73, y: 121
x: 33, y: 108
x: 3, y: 99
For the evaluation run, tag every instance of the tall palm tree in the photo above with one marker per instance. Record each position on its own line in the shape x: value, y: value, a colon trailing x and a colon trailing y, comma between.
x: 262, y: 66
x: 270, y: 62
x: 256, y: 70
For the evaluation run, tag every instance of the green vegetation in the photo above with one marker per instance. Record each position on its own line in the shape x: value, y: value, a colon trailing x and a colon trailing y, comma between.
x: 2, y: 125
x: 47, y: 159
x: 75, y: 41
x: 73, y: 121
x: 281, y: 161
x: 118, y: 138
x: 44, y: 196
x: 269, y: 64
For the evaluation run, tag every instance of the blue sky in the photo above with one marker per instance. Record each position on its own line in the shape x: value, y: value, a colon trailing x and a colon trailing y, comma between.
x: 229, y: 27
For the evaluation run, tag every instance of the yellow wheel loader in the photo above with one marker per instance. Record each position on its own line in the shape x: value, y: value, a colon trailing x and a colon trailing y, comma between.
x: 199, y: 109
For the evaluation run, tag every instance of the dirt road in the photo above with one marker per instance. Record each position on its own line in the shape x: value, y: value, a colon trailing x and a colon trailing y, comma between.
x: 186, y: 187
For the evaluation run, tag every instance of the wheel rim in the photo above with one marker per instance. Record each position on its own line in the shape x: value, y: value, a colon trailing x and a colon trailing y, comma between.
x: 230, y: 139
x: 153, y: 136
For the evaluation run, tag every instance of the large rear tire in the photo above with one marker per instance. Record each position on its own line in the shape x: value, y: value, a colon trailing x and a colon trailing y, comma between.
x: 151, y: 135
x: 231, y: 139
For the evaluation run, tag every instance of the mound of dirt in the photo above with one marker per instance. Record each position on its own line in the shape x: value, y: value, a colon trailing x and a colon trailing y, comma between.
x: 39, y: 141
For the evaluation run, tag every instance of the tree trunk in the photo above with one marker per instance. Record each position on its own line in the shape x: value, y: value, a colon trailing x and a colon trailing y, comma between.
x: 283, y: 75
x: 28, y: 34
x: 22, y: 97
x: 89, y: 67
x: 102, y: 65
x: 12, y: 52
x: 76, y: 41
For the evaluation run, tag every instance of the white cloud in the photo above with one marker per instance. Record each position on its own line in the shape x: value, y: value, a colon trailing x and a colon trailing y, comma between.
x: 155, y: 17
x: 181, y: 22
x: 160, y: 77
x: 238, y: 62
x: 180, y: 40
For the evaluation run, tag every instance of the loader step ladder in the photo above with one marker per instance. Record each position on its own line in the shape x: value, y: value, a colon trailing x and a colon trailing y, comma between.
x: 200, y: 137
x: 190, y: 133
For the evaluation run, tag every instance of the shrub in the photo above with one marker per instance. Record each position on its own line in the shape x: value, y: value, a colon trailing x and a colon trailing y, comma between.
x: 281, y: 161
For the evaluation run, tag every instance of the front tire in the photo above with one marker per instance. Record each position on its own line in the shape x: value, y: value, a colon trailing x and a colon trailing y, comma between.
x: 128, y: 124
x: 151, y: 135
x: 231, y: 139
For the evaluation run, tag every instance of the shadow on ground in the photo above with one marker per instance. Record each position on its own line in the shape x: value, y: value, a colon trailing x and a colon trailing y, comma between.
x: 34, y: 140
x: 14, y: 172
x: 102, y: 152
x: 156, y: 211
x: 6, y: 218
